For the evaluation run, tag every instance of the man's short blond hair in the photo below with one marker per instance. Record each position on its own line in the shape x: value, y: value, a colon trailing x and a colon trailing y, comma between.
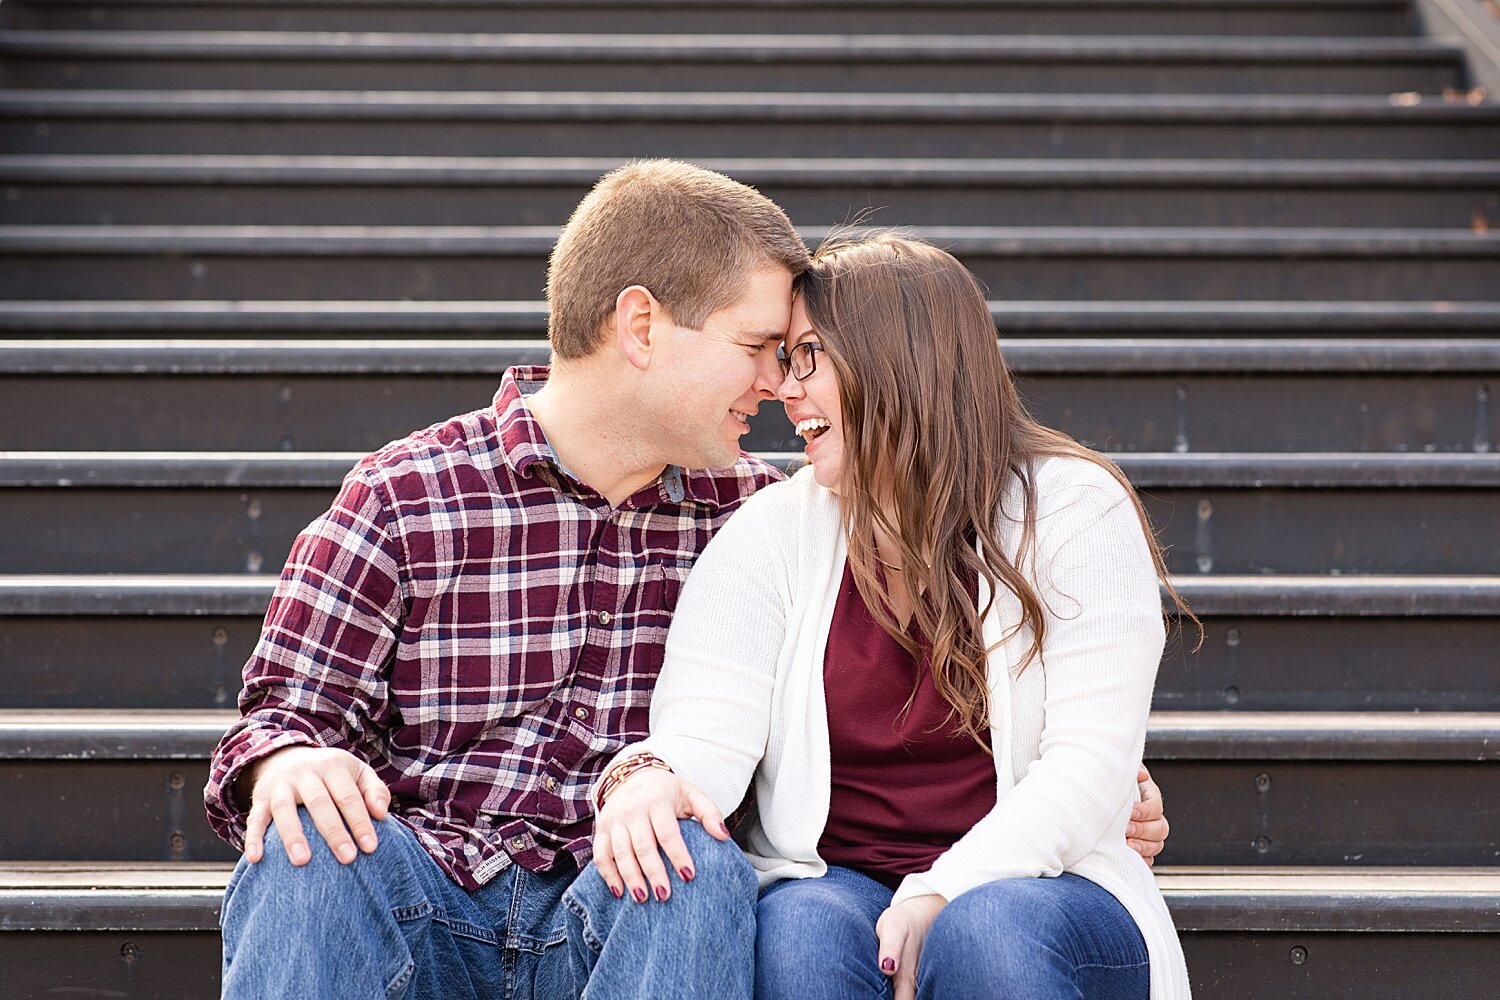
x: 691, y: 236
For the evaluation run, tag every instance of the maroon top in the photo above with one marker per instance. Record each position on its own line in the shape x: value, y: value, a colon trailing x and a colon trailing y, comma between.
x: 906, y: 785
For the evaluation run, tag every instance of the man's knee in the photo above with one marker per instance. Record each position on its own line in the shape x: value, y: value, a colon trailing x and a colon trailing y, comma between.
x: 323, y: 872
x: 717, y: 905
x: 717, y: 863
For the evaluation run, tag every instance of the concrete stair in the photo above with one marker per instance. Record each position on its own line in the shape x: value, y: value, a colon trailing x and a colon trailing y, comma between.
x: 1244, y: 246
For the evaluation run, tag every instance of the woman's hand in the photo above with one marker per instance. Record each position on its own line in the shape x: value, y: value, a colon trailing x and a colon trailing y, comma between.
x: 901, y: 930
x: 639, y: 822
x: 1148, y: 827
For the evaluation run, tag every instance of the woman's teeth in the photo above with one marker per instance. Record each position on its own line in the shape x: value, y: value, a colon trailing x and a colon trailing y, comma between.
x: 812, y: 427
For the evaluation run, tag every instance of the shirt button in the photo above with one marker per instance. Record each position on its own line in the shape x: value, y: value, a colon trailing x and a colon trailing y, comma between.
x: 551, y: 783
x: 580, y: 712
x: 605, y: 618
x: 519, y: 843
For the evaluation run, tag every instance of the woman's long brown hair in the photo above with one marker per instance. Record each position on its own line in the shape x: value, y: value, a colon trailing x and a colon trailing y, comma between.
x: 933, y: 433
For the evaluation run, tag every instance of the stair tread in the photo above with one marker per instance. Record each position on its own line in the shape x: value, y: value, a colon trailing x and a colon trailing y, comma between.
x: 529, y: 240
x: 448, y: 316
x: 580, y: 106
x: 1170, y: 5
x: 186, y: 896
x: 183, y: 734
x: 154, y: 169
x: 470, y: 357
x: 1294, y: 595
x: 758, y: 49
x: 266, y: 469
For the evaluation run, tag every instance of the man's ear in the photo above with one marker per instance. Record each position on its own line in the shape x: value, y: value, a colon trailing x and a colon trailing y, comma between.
x: 636, y: 309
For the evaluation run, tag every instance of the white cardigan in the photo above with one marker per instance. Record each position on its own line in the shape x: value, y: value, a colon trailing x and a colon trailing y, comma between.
x: 741, y: 693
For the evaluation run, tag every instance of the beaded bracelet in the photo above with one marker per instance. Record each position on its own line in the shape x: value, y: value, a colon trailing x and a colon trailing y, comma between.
x: 620, y: 770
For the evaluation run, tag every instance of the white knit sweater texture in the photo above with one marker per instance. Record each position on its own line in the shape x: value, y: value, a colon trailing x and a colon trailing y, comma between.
x: 741, y: 698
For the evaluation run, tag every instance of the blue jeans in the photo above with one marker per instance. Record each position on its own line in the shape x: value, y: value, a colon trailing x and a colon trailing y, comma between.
x: 1024, y: 938
x: 392, y: 924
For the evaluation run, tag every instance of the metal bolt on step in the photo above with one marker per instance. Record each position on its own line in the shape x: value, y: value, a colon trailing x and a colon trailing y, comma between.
x: 1262, y: 782
x: 1299, y: 955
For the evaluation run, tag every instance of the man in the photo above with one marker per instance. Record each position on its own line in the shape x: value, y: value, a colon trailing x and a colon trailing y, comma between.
x: 474, y: 627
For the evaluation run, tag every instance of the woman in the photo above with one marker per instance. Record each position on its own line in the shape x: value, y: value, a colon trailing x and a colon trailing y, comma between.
x: 932, y: 654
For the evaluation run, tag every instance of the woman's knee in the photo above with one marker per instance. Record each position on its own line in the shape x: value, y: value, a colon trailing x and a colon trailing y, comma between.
x: 1016, y: 936
x: 994, y: 928
x: 813, y: 939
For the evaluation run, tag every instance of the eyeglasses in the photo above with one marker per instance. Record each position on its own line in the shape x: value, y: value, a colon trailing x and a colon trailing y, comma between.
x: 801, y: 362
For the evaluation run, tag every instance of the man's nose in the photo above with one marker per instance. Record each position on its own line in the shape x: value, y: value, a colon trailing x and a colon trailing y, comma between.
x: 768, y: 377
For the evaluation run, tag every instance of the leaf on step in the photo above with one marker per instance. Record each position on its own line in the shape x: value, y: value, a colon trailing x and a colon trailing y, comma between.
x: 1453, y: 95
x: 1406, y: 99
x: 1479, y: 223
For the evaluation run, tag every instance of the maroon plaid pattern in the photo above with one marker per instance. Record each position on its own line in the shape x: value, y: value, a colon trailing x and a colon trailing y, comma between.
x: 481, y: 628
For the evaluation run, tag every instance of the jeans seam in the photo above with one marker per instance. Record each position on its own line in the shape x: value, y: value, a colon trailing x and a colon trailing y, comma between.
x: 398, y: 983
x: 578, y: 910
x: 1113, y: 968
x: 414, y: 911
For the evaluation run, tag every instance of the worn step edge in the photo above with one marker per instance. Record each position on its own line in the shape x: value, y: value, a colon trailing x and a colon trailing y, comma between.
x: 74, y: 896
x: 759, y: 50
x: 795, y: 5
x: 335, y: 170
x: 1147, y: 470
x: 639, y: 106
x: 1237, y: 595
x: 123, y: 734
x: 182, y: 896
x: 537, y: 241
x: 478, y: 357
x: 448, y: 317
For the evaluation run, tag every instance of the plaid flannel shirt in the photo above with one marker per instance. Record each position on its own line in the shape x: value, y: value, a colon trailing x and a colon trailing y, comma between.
x: 481, y: 628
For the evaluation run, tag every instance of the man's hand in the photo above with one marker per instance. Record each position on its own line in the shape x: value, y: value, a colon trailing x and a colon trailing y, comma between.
x: 901, y: 932
x: 639, y: 822
x: 1148, y: 828
x: 341, y: 793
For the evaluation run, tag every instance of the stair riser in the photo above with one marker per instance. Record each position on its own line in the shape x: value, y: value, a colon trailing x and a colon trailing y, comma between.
x: 109, y: 133
x: 1203, y: 413
x: 1311, y: 813
x: 1336, y: 966
x: 132, y: 965
x: 1057, y: 75
x: 1266, y: 530
x: 1038, y: 19
x: 1328, y: 812
x: 1246, y: 663
x: 1247, y: 965
x: 1076, y: 277
x: 1289, y: 663
x: 1100, y: 204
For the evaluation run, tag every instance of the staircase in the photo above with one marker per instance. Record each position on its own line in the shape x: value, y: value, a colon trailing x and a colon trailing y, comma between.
x: 1242, y: 245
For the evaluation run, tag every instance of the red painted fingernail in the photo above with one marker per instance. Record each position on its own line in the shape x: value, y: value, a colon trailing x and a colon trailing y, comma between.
x: 661, y: 893
x: 617, y: 891
x: 888, y: 964
x: 686, y: 873
x: 640, y: 895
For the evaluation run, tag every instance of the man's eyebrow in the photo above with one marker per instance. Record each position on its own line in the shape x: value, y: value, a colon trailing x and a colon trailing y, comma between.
x: 765, y: 335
